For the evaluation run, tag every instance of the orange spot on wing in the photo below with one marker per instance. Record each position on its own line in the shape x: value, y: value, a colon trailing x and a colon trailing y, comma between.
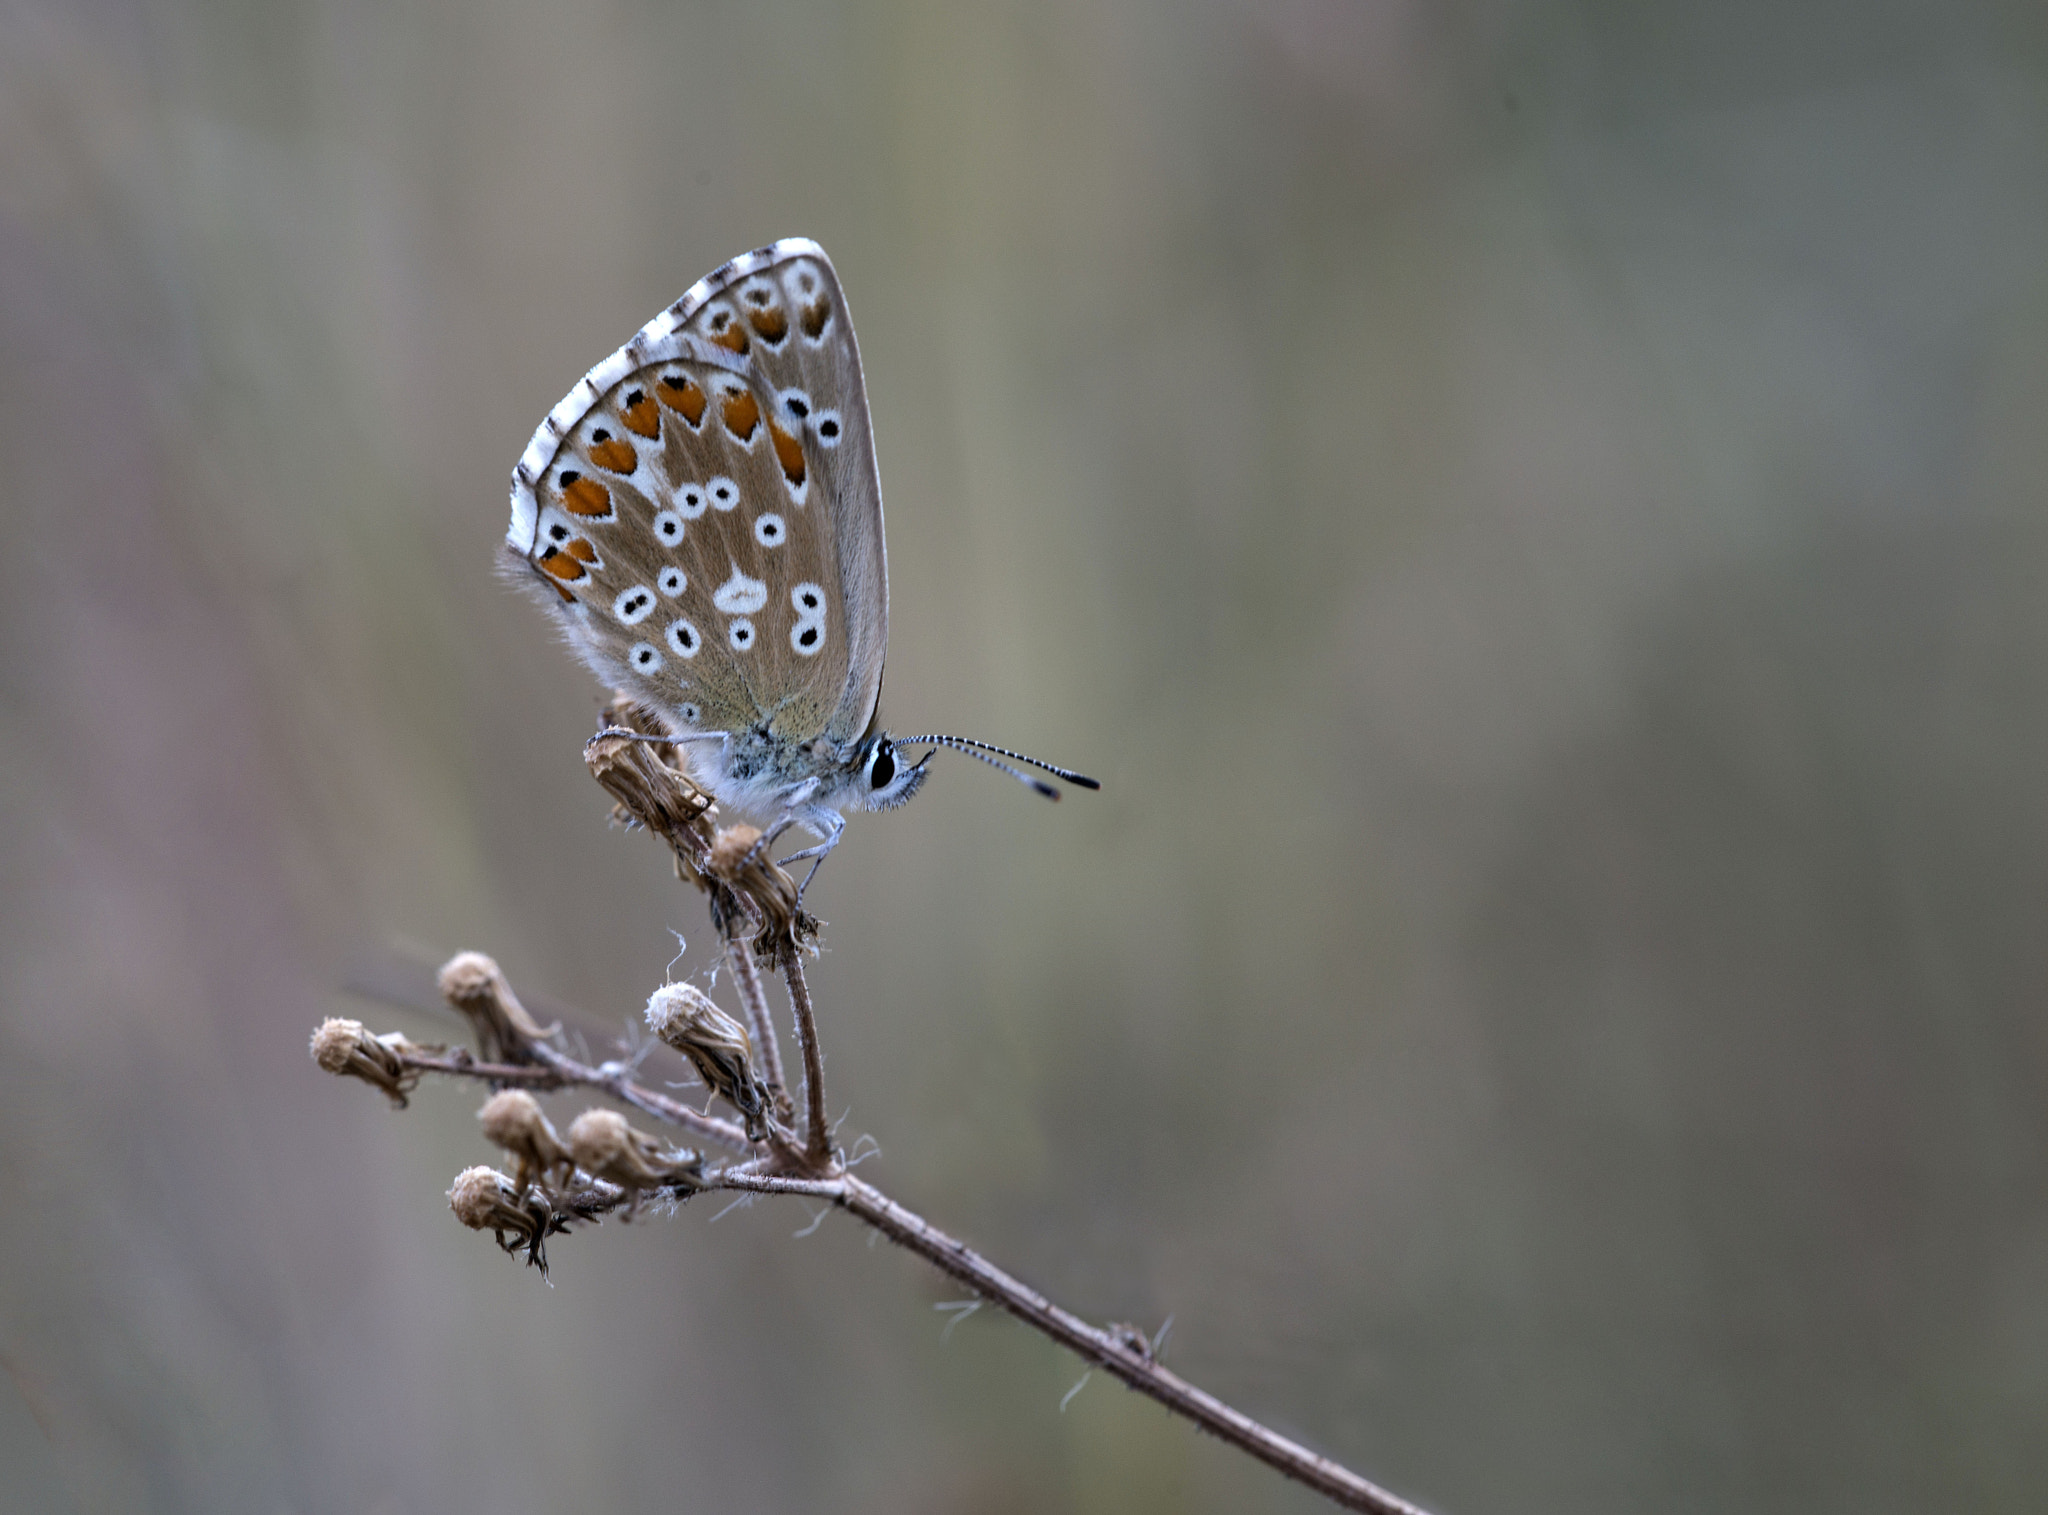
x: 742, y: 414
x: 615, y: 454
x: 789, y: 453
x: 733, y: 339
x: 683, y: 397
x: 640, y: 415
x: 586, y: 497
x: 773, y: 325
x: 581, y: 549
x: 817, y: 316
x: 563, y: 565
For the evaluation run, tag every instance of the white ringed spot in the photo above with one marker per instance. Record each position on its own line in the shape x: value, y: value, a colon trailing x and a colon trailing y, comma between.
x: 692, y: 502
x: 690, y: 713
x: 794, y: 403
x: 683, y: 637
x: 668, y: 526
x: 740, y: 595
x: 717, y: 318
x: 724, y: 493
x: 643, y: 658
x: 770, y: 530
x: 829, y: 427
x: 808, y: 638
x: 740, y: 633
x: 808, y: 600
x: 673, y: 581
x: 634, y: 605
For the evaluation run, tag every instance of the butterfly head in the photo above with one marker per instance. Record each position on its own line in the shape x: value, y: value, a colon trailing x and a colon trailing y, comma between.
x: 887, y: 776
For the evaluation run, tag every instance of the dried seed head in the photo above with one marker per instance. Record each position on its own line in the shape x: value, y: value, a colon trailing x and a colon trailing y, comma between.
x: 474, y: 984
x: 598, y: 1138
x: 731, y: 847
x: 479, y: 1195
x: 648, y: 781
x: 513, y: 1119
x: 484, y: 1199
x: 716, y: 1045
x: 605, y: 1147
x: 345, y: 1047
x: 335, y: 1043
x: 744, y: 867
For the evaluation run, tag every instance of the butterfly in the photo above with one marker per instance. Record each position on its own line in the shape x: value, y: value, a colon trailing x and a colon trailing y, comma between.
x: 703, y: 516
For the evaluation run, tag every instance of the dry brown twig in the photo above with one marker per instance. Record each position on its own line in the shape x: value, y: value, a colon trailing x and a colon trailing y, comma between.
x: 604, y: 1165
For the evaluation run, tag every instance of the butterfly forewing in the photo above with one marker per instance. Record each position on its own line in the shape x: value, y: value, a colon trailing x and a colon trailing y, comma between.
x: 706, y: 509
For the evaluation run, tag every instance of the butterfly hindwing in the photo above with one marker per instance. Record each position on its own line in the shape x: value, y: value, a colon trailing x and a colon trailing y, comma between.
x: 706, y: 508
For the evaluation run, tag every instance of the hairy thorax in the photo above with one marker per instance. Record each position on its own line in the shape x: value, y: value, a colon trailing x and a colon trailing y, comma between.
x: 761, y: 774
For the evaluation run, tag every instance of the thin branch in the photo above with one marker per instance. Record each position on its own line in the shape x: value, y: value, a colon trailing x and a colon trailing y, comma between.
x: 557, y: 1070
x: 614, y: 1082
x: 1122, y: 1352
x: 817, y: 1134
x: 746, y: 980
x: 747, y: 891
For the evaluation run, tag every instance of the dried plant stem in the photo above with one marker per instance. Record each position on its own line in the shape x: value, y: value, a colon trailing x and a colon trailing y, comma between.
x: 560, y: 1071
x: 1123, y: 1354
x: 1121, y: 1351
x: 817, y: 1135
x: 746, y: 980
x: 747, y: 891
x: 613, y: 1081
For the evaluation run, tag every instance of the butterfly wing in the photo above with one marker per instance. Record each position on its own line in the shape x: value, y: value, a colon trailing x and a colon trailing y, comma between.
x: 705, y: 508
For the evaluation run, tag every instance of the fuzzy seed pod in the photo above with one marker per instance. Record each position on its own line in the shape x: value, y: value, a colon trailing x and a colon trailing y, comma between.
x: 346, y: 1048
x: 716, y: 1045
x: 475, y: 985
x: 605, y: 1147
x: 513, y: 1119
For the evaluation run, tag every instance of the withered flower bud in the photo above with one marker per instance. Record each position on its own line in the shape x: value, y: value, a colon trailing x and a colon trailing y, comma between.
x: 606, y: 1147
x: 648, y: 781
x: 474, y: 984
x: 716, y: 1045
x: 484, y: 1199
x: 743, y: 866
x: 345, y: 1047
x: 513, y: 1119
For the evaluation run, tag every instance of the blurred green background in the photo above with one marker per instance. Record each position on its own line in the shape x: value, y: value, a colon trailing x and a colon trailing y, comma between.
x: 1535, y: 511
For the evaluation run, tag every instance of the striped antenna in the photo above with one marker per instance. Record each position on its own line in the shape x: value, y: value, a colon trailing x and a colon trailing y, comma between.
x: 982, y: 750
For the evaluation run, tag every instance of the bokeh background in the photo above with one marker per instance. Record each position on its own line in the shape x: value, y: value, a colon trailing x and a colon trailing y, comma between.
x: 1535, y: 511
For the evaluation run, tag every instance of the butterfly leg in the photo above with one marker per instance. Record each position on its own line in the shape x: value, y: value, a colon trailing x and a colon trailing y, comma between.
x: 835, y: 828
x: 766, y: 840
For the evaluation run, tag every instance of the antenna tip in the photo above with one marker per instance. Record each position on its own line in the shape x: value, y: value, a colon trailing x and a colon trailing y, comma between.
x: 1045, y: 789
x: 1084, y: 781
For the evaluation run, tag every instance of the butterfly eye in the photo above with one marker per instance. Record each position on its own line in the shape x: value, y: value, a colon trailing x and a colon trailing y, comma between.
x: 882, y: 768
